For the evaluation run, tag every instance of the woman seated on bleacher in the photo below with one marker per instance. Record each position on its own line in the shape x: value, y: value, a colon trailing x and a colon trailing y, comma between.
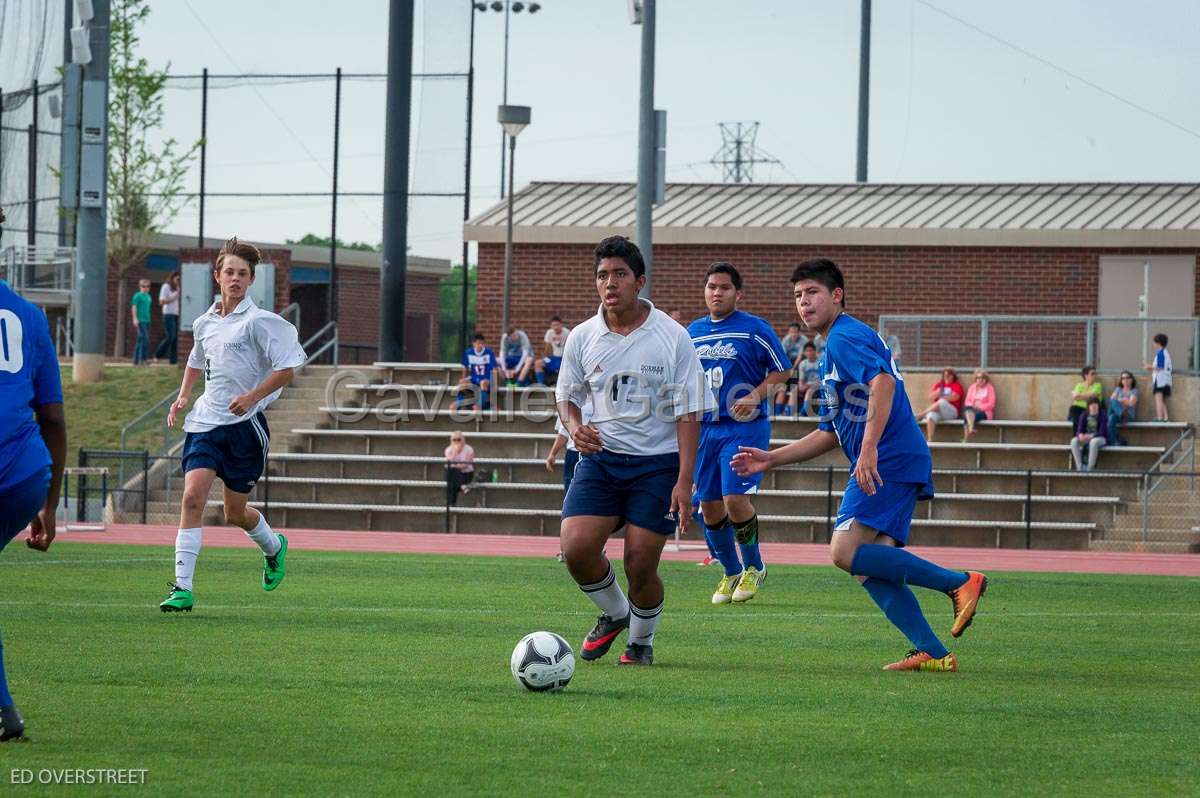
x: 980, y: 404
x: 460, y: 467
x: 1091, y: 431
x: 1122, y: 405
x: 947, y: 397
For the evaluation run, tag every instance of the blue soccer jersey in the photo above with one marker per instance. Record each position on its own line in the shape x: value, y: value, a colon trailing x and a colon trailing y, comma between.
x: 736, y: 353
x: 479, y: 365
x: 29, y: 378
x: 854, y: 355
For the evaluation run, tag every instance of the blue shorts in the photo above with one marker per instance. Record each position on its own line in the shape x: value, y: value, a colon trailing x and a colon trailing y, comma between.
x: 570, y: 460
x: 477, y: 379
x: 513, y: 361
x: 237, y: 452
x: 551, y: 364
x: 719, y: 442
x: 20, y: 504
x: 636, y: 488
x: 889, y: 511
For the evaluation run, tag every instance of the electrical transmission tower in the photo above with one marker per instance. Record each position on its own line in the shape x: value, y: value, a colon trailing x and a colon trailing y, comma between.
x: 738, y: 153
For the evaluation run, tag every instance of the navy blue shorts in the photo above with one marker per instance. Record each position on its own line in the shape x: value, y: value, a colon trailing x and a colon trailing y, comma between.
x: 237, y: 452
x: 570, y: 460
x: 889, y: 511
x: 551, y: 364
x: 719, y: 442
x: 636, y: 488
x: 512, y: 361
x: 20, y: 504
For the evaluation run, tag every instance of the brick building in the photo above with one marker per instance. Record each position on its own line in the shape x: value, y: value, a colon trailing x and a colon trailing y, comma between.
x: 1024, y: 249
x: 301, y: 276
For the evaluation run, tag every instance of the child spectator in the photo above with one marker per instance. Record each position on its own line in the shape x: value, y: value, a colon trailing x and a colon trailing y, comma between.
x: 810, y: 378
x: 980, y: 404
x: 1161, y: 369
x: 460, y: 467
x: 1083, y: 392
x: 1122, y: 406
x: 516, y: 357
x: 556, y: 339
x: 947, y: 398
x: 793, y: 345
x: 1091, y: 430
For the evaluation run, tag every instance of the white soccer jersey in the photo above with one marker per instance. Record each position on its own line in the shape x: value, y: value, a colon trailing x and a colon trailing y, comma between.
x: 638, y: 384
x: 237, y: 352
x: 1162, y: 369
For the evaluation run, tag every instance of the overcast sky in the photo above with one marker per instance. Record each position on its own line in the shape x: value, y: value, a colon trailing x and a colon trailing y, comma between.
x: 1025, y: 90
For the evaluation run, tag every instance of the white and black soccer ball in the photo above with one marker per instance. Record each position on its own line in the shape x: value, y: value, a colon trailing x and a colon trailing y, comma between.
x: 543, y: 661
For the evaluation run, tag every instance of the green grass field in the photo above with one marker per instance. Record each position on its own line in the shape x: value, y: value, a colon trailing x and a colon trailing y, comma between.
x: 388, y: 674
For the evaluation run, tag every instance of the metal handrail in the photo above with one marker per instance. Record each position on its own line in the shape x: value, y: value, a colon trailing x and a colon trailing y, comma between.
x: 293, y: 309
x: 166, y: 400
x: 332, y: 342
x: 1150, y: 485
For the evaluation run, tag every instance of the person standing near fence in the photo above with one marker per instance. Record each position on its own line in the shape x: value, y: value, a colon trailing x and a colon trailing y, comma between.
x: 139, y: 310
x: 168, y: 300
x: 247, y: 355
x: 33, y: 444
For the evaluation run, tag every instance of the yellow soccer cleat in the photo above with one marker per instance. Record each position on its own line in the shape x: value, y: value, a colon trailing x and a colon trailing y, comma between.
x: 725, y: 589
x: 920, y: 661
x: 748, y: 585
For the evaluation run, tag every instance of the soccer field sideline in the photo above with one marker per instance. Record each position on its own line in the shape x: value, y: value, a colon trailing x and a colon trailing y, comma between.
x: 1033, y: 560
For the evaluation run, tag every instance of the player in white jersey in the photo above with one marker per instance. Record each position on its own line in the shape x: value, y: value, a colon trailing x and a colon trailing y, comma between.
x: 640, y: 372
x: 247, y: 354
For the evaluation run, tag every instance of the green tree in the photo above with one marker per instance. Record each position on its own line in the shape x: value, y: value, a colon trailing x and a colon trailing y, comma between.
x: 310, y: 240
x: 450, y: 312
x: 145, y: 172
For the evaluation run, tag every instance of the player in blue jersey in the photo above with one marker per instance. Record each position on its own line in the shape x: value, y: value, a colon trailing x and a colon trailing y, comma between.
x: 743, y: 361
x: 478, y: 363
x: 33, y: 444
x: 866, y: 410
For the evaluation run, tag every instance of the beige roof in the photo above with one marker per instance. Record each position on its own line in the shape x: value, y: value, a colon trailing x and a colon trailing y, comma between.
x: 317, y: 257
x: 1004, y: 214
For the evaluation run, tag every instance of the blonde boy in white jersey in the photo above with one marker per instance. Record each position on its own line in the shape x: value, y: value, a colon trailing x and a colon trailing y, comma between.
x: 247, y: 355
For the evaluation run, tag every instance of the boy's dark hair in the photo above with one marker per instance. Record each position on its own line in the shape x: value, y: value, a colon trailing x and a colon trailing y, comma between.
x: 477, y: 337
x: 556, y: 318
x: 1083, y: 372
x: 823, y: 271
x: 724, y: 267
x: 621, y: 247
x: 794, y: 324
x: 247, y: 252
x: 1161, y: 340
x: 808, y: 346
x: 1093, y: 400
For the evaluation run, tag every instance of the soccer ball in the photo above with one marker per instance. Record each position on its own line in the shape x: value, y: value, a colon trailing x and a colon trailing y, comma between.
x: 543, y: 661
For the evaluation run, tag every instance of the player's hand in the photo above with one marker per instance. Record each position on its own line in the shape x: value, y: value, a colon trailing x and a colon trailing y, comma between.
x: 550, y: 461
x: 749, y: 461
x: 866, y: 471
x: 681, y: 504
x: 745, y: 408
x: 41, y: 530
x: 587, y: 439
x: 241, y: 405
x: 176, y: 407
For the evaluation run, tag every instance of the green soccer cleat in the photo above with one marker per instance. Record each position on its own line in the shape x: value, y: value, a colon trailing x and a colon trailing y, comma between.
x: 275, y: 568
x: 178, y: 600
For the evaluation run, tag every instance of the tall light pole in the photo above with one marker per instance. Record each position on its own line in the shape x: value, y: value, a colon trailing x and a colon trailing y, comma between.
x: 513, y: 119
x: 864, y: 90
x: 642, y: 12
x: 508, y: 7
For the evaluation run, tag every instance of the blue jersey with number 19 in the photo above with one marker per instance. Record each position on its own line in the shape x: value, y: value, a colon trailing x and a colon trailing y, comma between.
x: 736, y: 353
x: 855, y: 355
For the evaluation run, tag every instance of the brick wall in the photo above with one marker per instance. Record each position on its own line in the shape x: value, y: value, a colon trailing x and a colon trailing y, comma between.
x: 551, y: 279
x: 358, y: 308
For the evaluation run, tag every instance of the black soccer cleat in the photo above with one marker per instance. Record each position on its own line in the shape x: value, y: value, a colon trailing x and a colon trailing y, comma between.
x: 603, y: 634
x: 637, y: 654
x: 12, y: 725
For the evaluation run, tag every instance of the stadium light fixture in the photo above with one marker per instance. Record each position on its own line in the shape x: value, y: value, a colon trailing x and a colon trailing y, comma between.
x: 535, y: 7
x: 513, y: 118
x: 497, y: 6
x: 518, y: 7
x: 480, y: 6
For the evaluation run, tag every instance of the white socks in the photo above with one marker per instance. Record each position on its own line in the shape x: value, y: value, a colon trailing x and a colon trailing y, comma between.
x: 642, y: 623
x: 608, y: 596
x: 187, y: 549
x: 265, y: 537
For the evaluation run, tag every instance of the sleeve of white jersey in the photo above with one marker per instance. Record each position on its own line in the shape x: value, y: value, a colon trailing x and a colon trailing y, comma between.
x: 279, y: 341
x: 196, y: 356
x: 689, y: 374
x: 570, y: 386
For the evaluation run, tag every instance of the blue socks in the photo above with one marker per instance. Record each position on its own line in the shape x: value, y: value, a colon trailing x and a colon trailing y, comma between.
x: 746, y: 534
x: 712, y: 551
x: 897, y: 565
x: 720, y: 538
x: 6, y: 699
x: 901, y: 608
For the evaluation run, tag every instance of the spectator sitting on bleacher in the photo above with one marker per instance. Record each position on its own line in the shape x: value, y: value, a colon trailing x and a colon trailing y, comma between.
x: 1083, y: 392
x: 1091, y: 430
x: 516, y: 357
x: 793, y: 345
x: 1122, y: 406
x: 810, y: 378
x: 980, y: 404
x: 460, y: 467
x: 947, y: 398
x: 556, y: 339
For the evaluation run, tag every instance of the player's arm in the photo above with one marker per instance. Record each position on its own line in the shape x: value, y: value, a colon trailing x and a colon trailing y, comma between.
x: 241, y: 405
x: 190, y: 375
x: 586, y: 437
x: 687, y: 433
x: 749, y: 460
x: 560, y: 442
x: 879, y: 409
x: 52, y: 423
x: 567, y: 393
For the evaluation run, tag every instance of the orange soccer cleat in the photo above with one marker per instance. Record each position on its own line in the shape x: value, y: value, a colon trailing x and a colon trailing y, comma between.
x: 966, y: 599
x: 920, y: 661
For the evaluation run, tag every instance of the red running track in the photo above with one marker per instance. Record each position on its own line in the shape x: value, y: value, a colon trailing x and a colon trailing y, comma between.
x: 1092, y: 562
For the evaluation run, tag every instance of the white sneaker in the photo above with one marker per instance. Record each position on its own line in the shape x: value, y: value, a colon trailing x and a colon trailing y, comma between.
x: 749, y: 584
x: 725, y: 589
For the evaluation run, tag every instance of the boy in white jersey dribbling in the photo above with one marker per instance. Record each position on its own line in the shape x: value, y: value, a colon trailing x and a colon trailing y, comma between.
x: 247, y: 354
